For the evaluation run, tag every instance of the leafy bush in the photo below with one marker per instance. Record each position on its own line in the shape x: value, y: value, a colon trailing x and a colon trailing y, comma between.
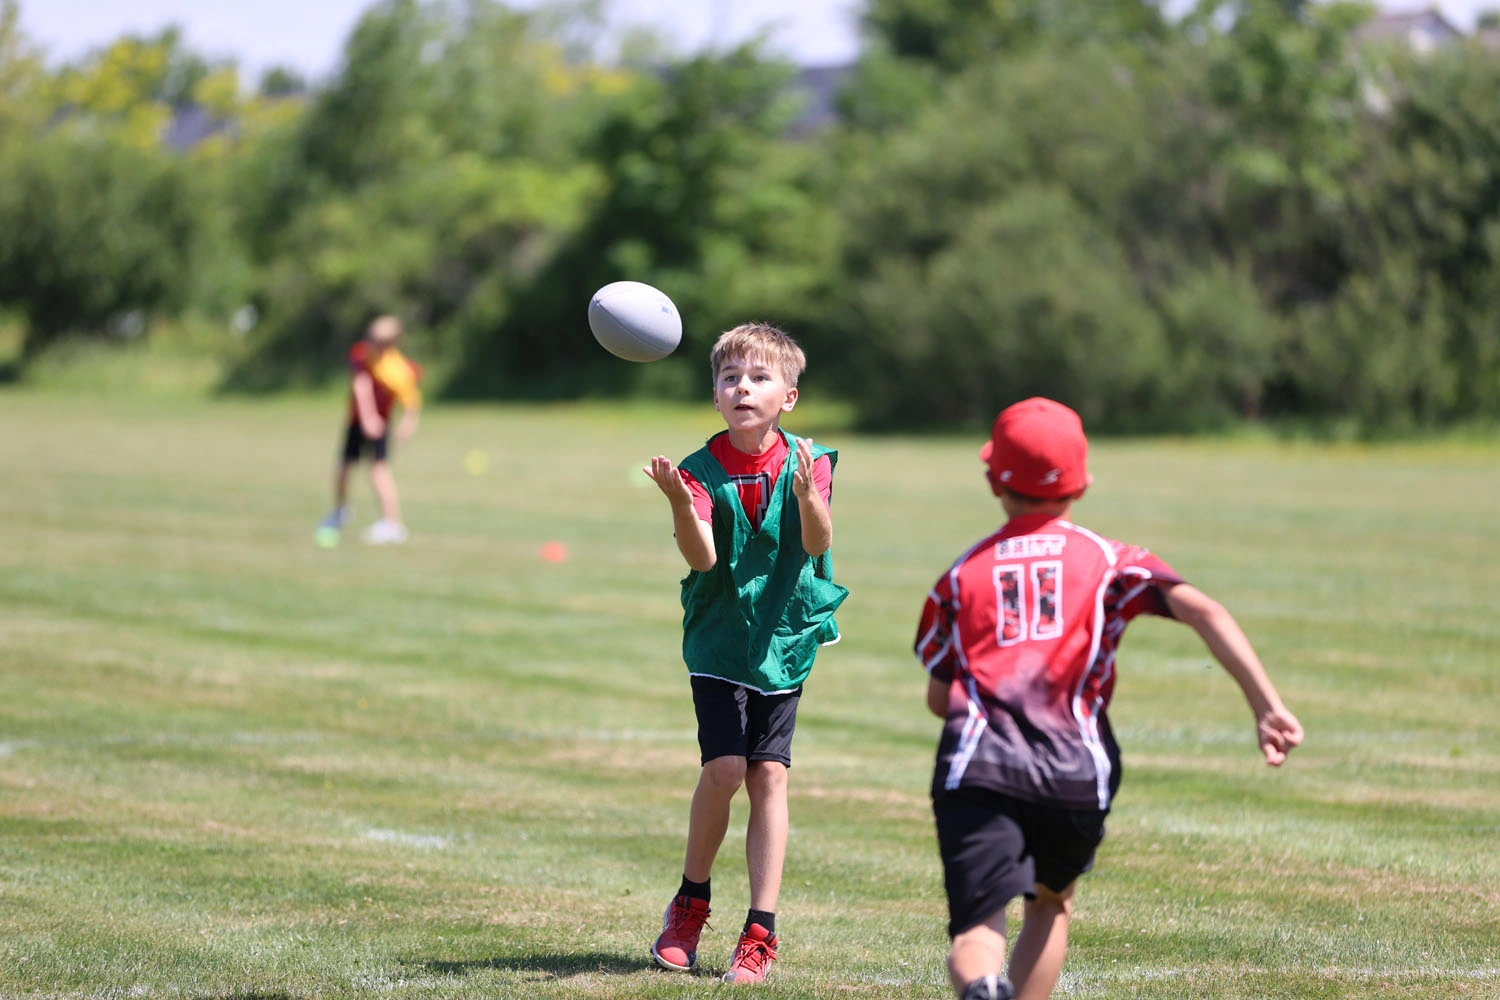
x: 93, y: 230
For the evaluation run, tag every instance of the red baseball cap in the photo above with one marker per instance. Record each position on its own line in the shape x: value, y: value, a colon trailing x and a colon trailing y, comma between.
x: 1037, y: 449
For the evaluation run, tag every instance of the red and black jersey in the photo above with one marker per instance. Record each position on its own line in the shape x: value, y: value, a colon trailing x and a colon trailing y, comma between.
x: 1025, y: 626
x: 754, y: 476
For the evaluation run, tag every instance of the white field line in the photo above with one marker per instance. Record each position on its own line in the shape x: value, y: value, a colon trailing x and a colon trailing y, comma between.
x: 1485, y: 973
x: 9, y: 747
x: 424, y: 841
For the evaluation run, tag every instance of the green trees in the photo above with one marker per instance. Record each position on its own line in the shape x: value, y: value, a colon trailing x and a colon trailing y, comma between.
x: 98, y: 225
x: 94, y: 229
x: 1046, y: 226
x: 1412, y: 337
x: 434, y: 177
x: 1240, y: 211
x: 1172, y: 226
x: 697, y: 190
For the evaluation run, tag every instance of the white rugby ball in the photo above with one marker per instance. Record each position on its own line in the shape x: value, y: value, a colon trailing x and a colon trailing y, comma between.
x: 634, y: 321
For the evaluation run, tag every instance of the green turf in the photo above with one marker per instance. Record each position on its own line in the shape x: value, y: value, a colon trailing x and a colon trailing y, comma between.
x: 236, y: 765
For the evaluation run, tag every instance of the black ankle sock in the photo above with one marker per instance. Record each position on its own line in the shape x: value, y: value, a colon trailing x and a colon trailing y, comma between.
x: 762, y: 917
x: 694, y: 890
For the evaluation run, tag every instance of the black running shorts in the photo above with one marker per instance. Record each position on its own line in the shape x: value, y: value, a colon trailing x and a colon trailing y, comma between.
x: 736, y: 721
x: 356, y: 444
x: 996, y: 848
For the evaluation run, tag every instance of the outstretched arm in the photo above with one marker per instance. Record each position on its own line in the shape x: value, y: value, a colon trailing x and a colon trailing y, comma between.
x: 407, y: 426
x: 817, y: 523
x: 695, y: 537
x: 1277, y: 729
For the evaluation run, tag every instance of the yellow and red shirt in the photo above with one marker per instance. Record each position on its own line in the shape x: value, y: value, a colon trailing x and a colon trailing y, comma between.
x: 394, y: 375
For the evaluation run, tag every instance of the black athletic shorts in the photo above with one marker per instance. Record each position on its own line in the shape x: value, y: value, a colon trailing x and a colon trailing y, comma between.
x: 736, y: 721
x: 356, y: 444
x: 996, y: 848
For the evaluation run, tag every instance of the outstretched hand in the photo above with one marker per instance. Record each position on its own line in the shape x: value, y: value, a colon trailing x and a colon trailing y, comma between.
x: 802, y: 481
x: 1278, y: 732
x: 407, y: 427
x: 668, y: 479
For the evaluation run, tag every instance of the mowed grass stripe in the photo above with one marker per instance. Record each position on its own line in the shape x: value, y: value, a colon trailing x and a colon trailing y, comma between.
x: 235, y: 765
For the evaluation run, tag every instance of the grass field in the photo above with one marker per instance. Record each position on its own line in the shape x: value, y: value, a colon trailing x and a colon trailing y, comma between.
x: 234, y: 765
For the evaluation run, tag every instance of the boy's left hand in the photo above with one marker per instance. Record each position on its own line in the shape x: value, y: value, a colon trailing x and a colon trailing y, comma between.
x: 407, y: 427
x: 1278, y: 731
x: 803, y: 479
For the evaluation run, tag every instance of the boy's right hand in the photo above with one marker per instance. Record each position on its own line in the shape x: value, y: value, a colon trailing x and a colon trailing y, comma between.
x: 373, y: 427
x: 668, y: 479
x: 1278, y: 732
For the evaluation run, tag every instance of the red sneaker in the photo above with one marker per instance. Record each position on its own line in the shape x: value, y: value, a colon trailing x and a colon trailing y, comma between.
x: 752, y: 956
x: 677, y: 947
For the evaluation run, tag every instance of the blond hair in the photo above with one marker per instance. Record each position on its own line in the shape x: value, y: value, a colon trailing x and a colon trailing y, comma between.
x: 385, y: 329
x: 759, y: 342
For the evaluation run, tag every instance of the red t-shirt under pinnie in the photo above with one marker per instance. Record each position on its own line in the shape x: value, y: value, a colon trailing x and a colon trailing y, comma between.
x: 754, y: 476
x: 1025, y: 626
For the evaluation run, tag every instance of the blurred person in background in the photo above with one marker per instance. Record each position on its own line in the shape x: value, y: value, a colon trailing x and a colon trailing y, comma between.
x: 380, y: 377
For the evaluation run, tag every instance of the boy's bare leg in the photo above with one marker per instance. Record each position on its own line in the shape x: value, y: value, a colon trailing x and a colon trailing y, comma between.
x: 765, y: 839
x: 1042, y: 944
x: 708, y: 821
x: 384, y: 483
x: 978, y: 952
x: 341, y: 485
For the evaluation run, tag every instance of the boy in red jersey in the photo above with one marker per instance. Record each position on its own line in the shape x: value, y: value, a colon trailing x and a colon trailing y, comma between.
x: 1019, y: 640
x: 750, y: 511
x: 380, y: 377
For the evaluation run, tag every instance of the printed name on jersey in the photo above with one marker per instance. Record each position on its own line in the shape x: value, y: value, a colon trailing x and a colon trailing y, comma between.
x: 1030, y: 546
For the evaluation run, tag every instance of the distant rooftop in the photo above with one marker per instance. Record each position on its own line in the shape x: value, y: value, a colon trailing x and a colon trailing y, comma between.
x: 190, y: 125
x: 1424, y: 29
x: 819, y: 88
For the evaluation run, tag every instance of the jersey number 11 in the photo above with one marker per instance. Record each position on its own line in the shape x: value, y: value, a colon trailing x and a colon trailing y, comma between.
x: 1013, y: 624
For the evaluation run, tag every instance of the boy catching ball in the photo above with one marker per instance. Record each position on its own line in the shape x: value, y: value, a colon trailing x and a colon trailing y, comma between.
x: 750, y: 512
x: 1019, y: 639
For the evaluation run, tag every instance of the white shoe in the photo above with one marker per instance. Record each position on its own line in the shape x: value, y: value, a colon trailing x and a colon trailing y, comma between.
x: 385, y: 532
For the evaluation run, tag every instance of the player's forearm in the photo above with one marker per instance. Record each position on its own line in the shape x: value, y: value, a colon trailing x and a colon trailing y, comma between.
x: 1231, y: 647
x: 1277, y: 730
x: 695, y: 538
x: 817, y: 524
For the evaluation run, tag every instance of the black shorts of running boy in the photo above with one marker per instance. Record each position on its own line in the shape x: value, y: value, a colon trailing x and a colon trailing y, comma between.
x: 736, y: 721
x: 996, y: 848
x: 356, y: 444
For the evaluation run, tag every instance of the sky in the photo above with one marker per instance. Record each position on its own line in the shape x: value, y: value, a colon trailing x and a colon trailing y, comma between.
x: 308, y: 35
